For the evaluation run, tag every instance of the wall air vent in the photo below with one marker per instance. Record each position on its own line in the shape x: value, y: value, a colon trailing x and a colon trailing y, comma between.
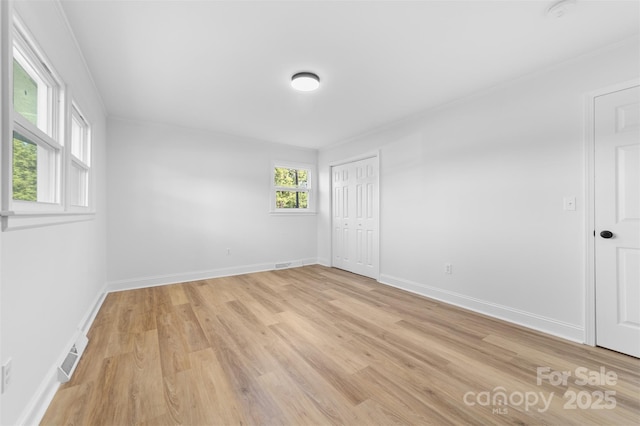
x: 68, y: 366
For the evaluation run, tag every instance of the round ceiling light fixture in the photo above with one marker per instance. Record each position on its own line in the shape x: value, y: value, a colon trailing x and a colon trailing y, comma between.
x: 305, y: 81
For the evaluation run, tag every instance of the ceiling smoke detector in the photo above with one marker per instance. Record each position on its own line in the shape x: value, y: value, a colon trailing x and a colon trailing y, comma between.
x: 560, y: 8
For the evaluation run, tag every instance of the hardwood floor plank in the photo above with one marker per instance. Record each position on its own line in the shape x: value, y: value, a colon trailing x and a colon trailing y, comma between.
x: 364, y: 311
x: 69, y: 405
x: 295, y: 406
x: 334, y: 407
x: 173, y: 347
x: 149, y: 401
x: 216, y: 393
x: 108, y: 311
x: 190, y: 329
x: 257, y: 404
x: 177, y: 294
x: 219, y: 291
x: 375, y: 414
x: 315, y: 346
x: 325, y: 366
x: 348, y: 361
x: 119, y: 343
x: 246, y: 344
x: 188, y: 405
x: 394, y: 345
x: 107, y: 405
x: 262, y: 314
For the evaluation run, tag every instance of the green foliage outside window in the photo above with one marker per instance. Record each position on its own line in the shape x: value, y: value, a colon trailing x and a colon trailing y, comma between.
x: 25, y: 152
x: 295, y: 179
x: 25, y: 169
x: 292, y: 200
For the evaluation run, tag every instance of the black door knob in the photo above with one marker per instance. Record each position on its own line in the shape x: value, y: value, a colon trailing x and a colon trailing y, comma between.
x: 606, y: 234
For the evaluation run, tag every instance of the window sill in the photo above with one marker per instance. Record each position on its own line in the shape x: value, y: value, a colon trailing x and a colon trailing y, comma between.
x: 24, y: 220
x: 292, y: 213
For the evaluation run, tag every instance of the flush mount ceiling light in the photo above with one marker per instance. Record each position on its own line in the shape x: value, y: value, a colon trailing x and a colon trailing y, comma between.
x: 305, y: 81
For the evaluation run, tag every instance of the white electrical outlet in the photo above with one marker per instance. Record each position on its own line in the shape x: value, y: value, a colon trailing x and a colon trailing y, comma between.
x: 6, y: 375
x: 569, y: 203
x: 448, y: 268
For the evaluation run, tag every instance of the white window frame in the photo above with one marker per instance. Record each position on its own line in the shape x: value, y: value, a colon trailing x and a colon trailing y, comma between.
x: 84, y: 163
x: 49, y: 173
x: 31, y: 58
x: 309, y: 189
x: 56, y: 136
x: 48, y: 133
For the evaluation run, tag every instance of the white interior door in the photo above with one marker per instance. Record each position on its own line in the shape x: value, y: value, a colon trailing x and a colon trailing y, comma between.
x: 617, y: 220
x: 355, y: 217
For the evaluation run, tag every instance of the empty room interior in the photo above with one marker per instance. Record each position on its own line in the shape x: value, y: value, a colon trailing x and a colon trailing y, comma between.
x: 320, y: 212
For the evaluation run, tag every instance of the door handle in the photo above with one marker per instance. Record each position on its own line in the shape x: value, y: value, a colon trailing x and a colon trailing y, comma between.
x: 606, y: 234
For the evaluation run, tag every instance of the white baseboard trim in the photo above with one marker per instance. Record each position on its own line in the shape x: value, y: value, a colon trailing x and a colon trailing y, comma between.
x: 526, y: 319
x: 34, y: 411
x: 158, y: 280
x: 90, y: 316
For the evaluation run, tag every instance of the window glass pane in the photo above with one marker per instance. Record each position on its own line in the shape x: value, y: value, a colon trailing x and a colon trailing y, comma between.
x: 78, y: 195
x: 292, y: 200
x: 25, y: 169
x: 25, y: 94
x: 294, y: 178
x: 77, y: 139
x: 34, y: 171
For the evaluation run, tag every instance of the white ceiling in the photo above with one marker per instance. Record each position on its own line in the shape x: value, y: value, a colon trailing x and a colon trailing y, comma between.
x: 226, y: 65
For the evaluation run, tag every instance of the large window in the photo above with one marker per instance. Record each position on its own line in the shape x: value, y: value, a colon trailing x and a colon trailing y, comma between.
x: 37, y: 148
x: 291, y: 189
x: 48, y: 144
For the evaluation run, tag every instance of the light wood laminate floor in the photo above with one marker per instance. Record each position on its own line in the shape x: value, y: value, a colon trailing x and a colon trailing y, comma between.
x: 314, y: 345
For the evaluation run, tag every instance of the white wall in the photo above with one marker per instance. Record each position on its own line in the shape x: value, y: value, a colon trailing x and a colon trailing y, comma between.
x: 178, y: 198
x: 480, y: 184
x: 51, y: 276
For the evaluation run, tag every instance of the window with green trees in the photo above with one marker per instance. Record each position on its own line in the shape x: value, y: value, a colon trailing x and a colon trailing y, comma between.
x: 49, y: 162
x: 36, y: 150
x: 25, y: 152
x: 291, y: 186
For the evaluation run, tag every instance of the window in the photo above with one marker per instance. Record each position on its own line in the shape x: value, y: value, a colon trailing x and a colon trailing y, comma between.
x: 80, y: 160
x: 47, y: 142
x: 36, y: 147
x: 291, y: 189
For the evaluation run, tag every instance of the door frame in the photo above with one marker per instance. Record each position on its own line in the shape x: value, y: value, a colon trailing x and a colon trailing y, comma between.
x: 590, y: 206
x: 372, y: 154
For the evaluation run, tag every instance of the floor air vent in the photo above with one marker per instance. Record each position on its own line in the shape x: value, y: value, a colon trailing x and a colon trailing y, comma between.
x: 71, y: 360
x: 284, y: 265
